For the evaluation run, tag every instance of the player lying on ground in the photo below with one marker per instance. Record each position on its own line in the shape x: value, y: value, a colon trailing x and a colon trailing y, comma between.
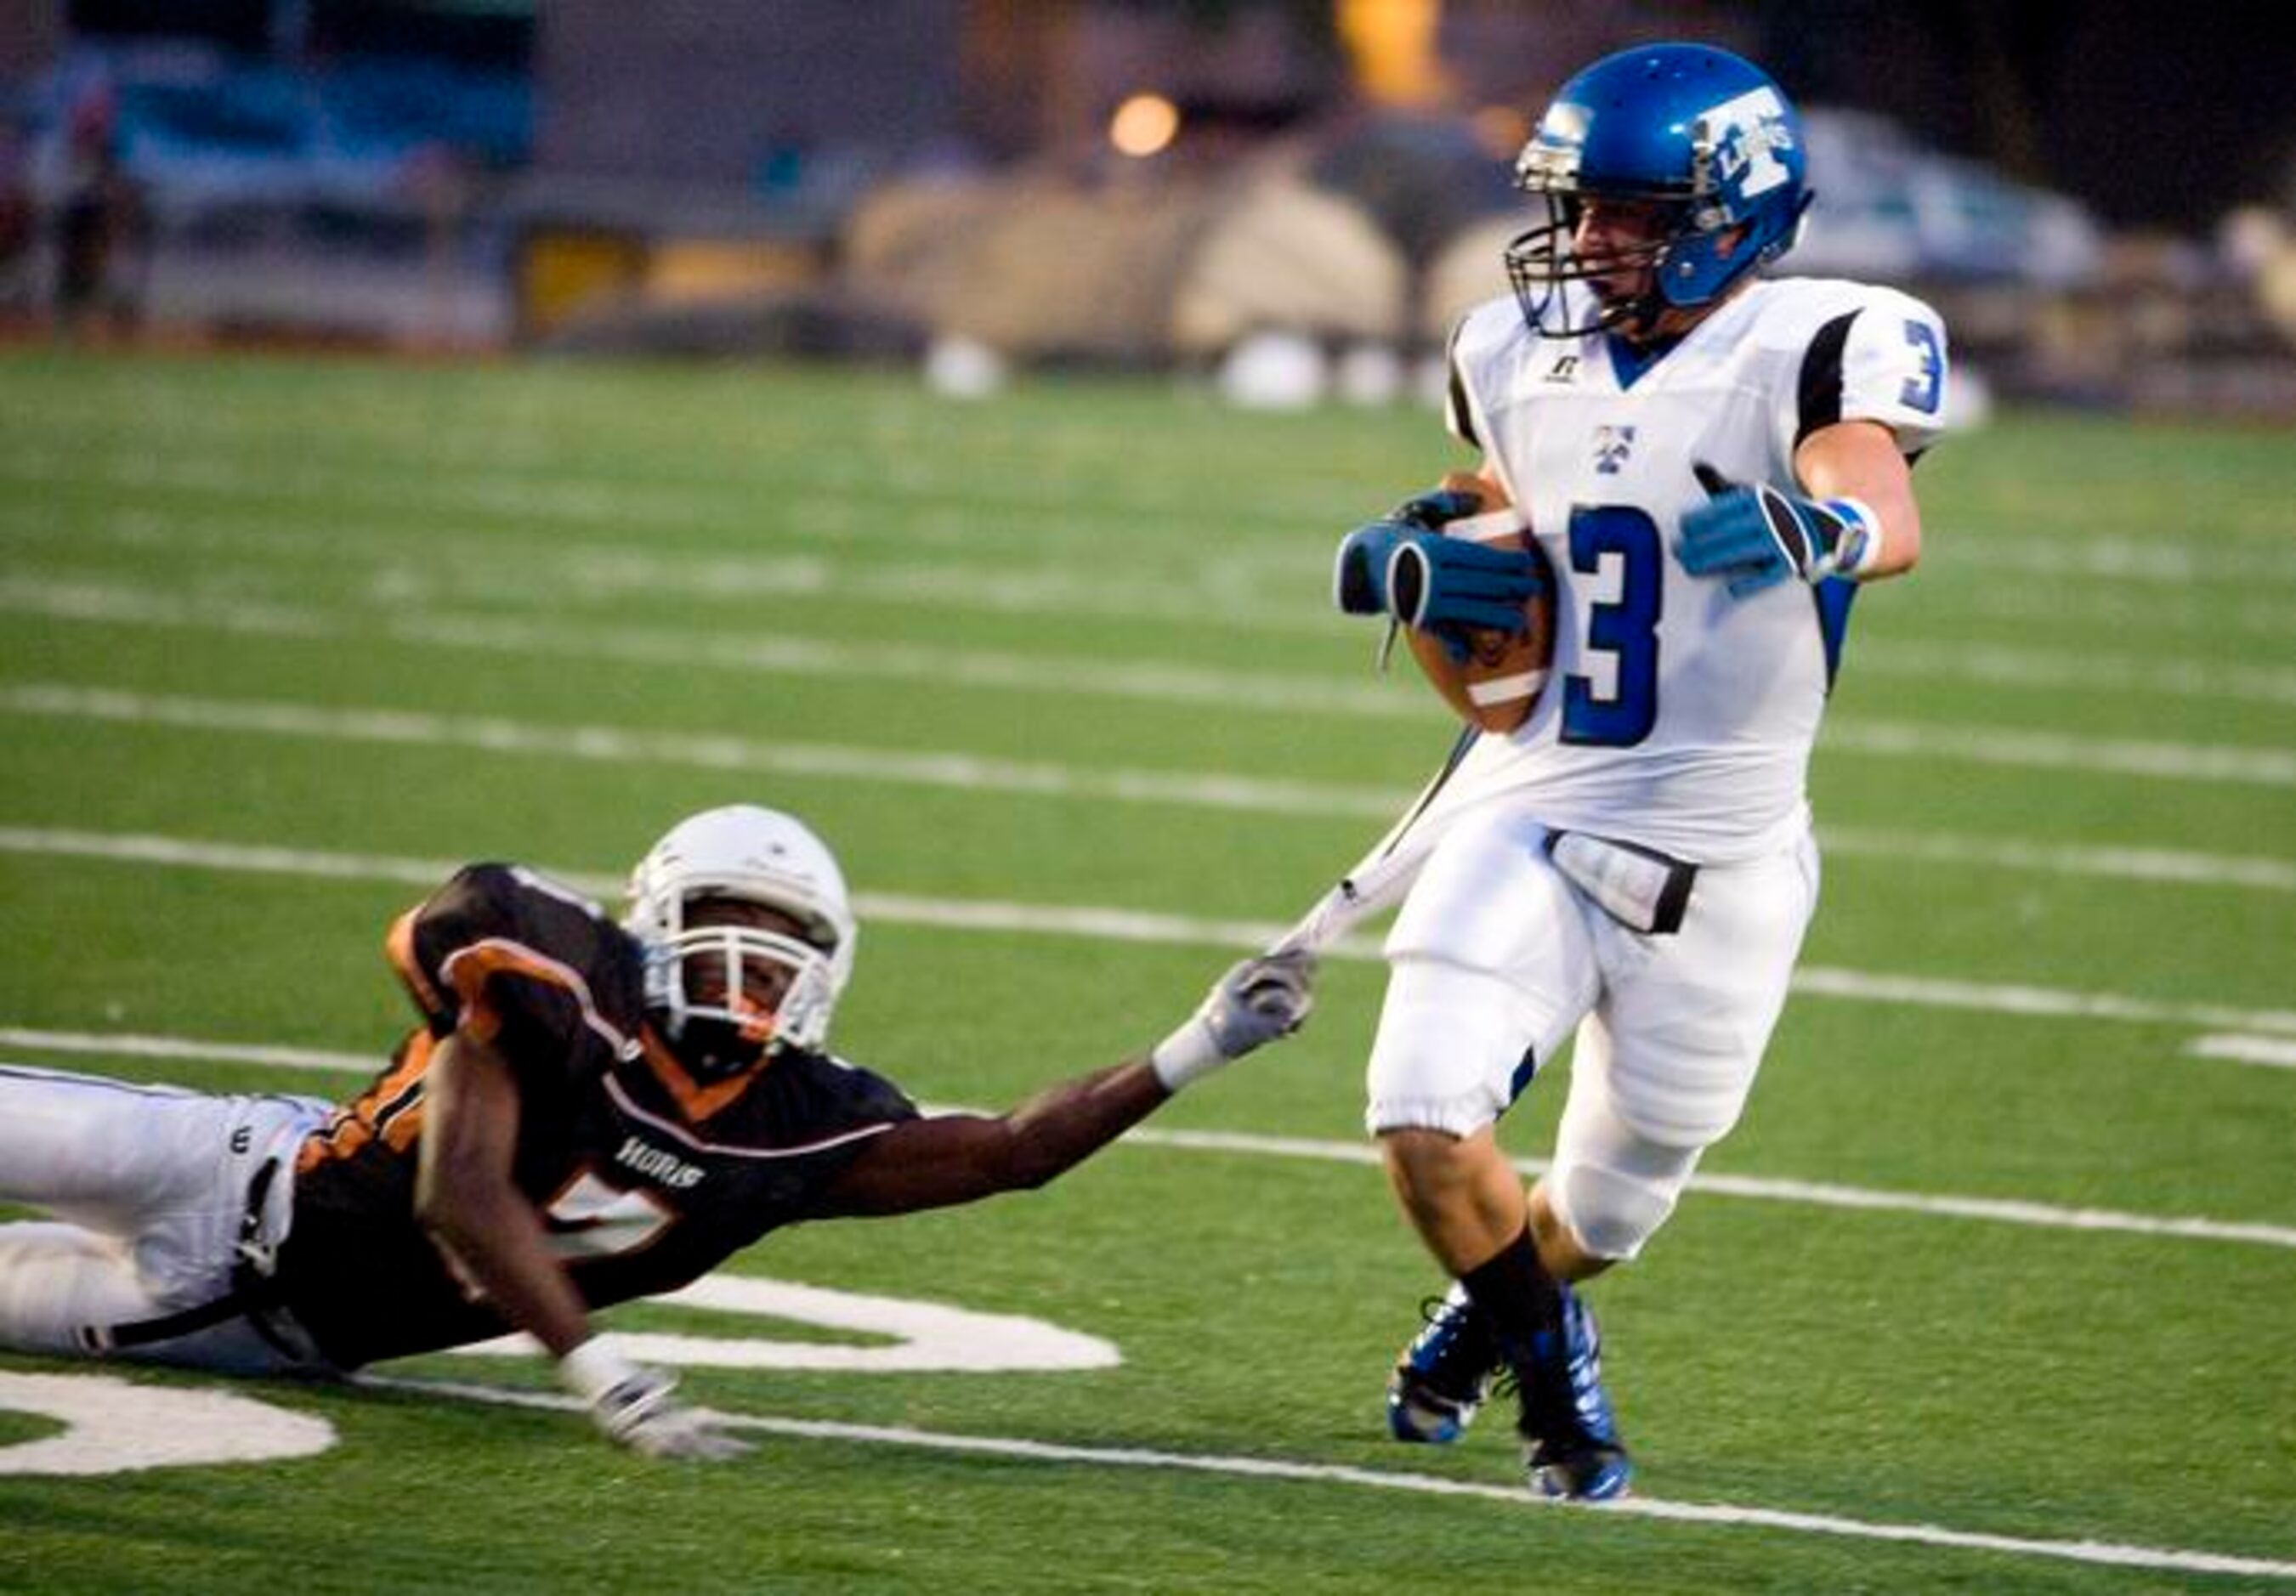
x: 591, y: 1112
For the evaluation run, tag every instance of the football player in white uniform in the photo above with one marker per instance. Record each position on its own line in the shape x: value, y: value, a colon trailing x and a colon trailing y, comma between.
x: 1712, y: 463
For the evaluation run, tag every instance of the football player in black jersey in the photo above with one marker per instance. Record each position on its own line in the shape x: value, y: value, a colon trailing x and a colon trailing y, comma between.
x: 590, y: 1112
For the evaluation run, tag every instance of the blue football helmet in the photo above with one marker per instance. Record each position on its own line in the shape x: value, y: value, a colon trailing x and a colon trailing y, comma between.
x: 1697, y: 131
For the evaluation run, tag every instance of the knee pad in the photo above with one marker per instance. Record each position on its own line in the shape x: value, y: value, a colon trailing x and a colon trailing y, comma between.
x: 1611, y: 1213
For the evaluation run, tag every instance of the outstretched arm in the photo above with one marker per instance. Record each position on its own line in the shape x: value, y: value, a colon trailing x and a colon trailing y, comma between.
x: 959, y: 1158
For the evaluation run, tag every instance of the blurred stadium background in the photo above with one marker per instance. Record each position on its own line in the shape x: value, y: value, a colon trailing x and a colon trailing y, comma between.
x: 1993, y: 1292
x: 1297, y: 195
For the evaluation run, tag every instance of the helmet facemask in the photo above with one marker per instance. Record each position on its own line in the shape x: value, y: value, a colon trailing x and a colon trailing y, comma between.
x: 748, y: 934
x: 1540, y: 261
x: 728, y: 993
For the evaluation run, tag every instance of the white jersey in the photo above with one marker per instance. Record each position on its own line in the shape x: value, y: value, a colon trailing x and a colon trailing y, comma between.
x: 1677, y: 717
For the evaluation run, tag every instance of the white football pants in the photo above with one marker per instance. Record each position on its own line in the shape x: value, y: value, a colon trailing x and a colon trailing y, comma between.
x: 1495, y: 958
x: 149, y: 1185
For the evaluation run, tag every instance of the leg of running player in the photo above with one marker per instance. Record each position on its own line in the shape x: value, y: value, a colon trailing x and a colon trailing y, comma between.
x: 1493, y: 961
x: 1664, y: 1065
x: 1492, y: 964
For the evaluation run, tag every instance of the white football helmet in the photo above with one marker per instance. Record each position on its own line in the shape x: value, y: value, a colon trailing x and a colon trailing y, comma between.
x: 756, y: 856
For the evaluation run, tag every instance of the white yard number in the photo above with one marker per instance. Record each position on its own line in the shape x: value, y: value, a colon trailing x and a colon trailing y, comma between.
x: 110, y: 1426
x: 922, y: 1335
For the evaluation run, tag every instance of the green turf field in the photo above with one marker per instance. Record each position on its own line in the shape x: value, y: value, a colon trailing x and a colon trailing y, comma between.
x: 1994, y: 1290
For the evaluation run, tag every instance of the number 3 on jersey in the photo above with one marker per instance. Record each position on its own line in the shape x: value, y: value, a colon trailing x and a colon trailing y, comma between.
x: 1625, y: 628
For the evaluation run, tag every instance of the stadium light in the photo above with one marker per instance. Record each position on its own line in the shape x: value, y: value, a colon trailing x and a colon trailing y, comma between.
x: 1144, y: 125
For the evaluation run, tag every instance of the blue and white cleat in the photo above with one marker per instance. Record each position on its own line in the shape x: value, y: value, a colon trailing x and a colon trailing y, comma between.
x: 1442, y: 1377
x: 1571, y: 1448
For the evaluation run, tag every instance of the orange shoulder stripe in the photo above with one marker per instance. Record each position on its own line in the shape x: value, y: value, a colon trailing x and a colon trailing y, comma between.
x: 469, y: 969
x: 353, y: 1125
x: 399, y: 946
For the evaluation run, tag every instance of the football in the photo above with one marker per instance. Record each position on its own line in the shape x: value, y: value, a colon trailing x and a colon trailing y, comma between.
x: 1497, y: 686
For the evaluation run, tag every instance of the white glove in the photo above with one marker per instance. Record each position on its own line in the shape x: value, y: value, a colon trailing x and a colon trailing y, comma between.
x: 1254, y: 1004
x: 634, y: 1406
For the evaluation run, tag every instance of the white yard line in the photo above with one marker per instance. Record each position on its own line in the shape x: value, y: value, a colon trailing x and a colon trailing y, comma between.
x: 1147, y: 681
x: 2040, y: 1003
x: 2109, y: 1554
x: 713, y: 751
x: 203, y: 463
x: 123, y: 604
x: 1214, y: 790
x: 2276, y: 1052
x: 194, y: 1050
x: 1145, y: 926
x: 864, y: 497
x: 128, y: 1045
x: 2089, y: 674
x: 1821, y: 1194
x: 2023, y: 747
x: 2167, y: 865
x: 1238, y: 585
x: 2124, y: 612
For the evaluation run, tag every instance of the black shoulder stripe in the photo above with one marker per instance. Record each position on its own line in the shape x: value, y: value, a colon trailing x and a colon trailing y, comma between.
x: 1462, y: 419
x: 1821, y: 377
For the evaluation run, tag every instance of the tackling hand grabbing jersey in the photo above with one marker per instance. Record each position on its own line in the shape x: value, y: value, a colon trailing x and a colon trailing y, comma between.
x: 590, y: 1112
x: 1711, y: 464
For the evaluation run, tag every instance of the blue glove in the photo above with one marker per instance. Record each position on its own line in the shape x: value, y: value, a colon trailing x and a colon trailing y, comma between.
x: 1359, y: 579
x: 1447, y: 585
x: 1757, y: 537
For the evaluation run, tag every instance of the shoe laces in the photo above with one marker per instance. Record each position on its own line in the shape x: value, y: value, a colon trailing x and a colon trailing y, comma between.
x: 1455, y: 1347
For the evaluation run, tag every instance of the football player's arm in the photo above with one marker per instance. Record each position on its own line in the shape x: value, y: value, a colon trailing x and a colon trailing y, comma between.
x: 466, y: 1197
x: 1859, y: 460
x: 1863, y: 524
x: 959, y: 1158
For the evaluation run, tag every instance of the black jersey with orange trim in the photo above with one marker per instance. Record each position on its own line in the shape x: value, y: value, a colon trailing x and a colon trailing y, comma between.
x: 646, y: 1178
